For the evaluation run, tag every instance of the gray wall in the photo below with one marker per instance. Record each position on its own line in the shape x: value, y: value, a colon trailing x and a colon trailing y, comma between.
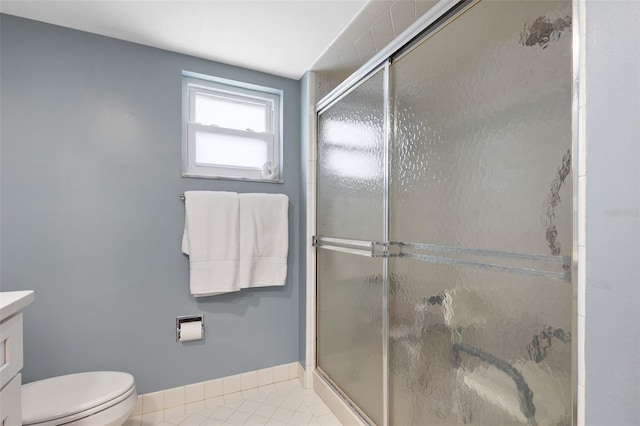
x: 91, y: 220
x: 613, y: 219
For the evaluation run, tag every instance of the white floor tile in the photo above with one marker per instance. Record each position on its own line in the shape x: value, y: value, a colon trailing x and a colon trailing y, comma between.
x: 256, y: 421
x: 174, y: 415
x: 284, y: 387
x: 283, y: 414
x: 174, y: 420
x: 312, y: 399
x: 234, y: 405
x: 328, y: 420
x: 275, y: 399
x: 303, y: 408
x: 249, y: 406
x: 319, y: 409
x: 133, y: 421
x: 282, y: 403
x: 238, y: 418
x: 265, y: 410
x: 292, y: 403
x: 305, y: 392
x: 193, y: 420
x: 210, y: 421
x: 295, y: 384
x: 300, y: 419
x: 222, y: 413
x: 151, y: 419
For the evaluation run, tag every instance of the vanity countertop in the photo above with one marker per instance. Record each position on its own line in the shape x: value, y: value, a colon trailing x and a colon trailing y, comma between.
x: 14, y: 301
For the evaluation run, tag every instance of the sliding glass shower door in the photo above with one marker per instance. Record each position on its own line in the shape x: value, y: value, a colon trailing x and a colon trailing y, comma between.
x: 481, y: 199
x: 445, y: 229
x: 350, y: 214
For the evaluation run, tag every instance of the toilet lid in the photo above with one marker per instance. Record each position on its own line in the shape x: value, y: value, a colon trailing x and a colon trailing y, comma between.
x: 65, y: 396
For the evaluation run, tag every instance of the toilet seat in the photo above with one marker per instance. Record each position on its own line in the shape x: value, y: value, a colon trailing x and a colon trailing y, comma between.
x: 65, y: 399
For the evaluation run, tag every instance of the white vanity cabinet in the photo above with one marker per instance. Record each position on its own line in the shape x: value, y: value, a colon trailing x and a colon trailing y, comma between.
x: 11, y: 361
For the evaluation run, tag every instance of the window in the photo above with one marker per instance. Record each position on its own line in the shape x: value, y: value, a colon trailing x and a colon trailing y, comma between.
x: 231, y: 129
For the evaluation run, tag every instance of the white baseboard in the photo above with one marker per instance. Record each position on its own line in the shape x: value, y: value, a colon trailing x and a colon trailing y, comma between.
x: 161, y: 400
x: 302, y: 377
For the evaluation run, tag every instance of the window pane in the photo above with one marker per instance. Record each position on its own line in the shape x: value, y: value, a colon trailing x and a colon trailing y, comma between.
x: 227, y: 150
x: 230, y: 113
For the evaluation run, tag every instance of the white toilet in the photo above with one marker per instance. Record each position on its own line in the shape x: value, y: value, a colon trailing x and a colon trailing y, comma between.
x: 97, y: 398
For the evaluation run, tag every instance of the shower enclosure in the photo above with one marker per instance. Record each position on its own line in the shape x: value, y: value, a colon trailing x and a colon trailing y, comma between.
x: 444, y: 224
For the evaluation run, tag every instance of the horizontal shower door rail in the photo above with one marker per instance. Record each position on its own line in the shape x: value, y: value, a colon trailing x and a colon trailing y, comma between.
x: 564, y: 260
x: 345, y: 245
x: 424, y: 252
x: 562, y: 276
x: 538, y: 265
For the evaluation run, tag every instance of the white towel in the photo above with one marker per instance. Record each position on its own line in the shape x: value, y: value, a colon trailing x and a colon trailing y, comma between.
x: 211, y: 239
x: 264, y: 240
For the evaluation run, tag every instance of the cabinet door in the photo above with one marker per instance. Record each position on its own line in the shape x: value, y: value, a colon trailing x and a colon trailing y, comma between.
x: 11, y: 359
x: 11, y: 403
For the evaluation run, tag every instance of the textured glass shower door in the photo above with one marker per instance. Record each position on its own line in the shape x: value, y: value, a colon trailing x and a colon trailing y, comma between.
x: 444, y: 249
x: 480, y: 304
x: 350, y: 215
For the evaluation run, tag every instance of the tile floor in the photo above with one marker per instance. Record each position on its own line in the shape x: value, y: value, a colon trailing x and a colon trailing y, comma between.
x: 282, y: 403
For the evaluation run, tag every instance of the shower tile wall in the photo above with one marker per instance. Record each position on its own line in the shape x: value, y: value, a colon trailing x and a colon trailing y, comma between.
x: 581, y: 281
x: 377, y: 24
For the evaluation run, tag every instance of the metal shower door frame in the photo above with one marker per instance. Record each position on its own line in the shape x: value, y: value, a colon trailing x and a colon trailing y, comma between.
x: 435, y: 19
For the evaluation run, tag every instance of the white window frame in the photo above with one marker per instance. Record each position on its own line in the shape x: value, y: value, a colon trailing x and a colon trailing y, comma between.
x: 193, y: 83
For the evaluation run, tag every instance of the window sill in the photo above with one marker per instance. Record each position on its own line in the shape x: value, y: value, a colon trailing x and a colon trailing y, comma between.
x: 197, y: 176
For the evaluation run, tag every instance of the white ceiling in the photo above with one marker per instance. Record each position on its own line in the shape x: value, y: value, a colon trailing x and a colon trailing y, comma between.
x: 282, y: 37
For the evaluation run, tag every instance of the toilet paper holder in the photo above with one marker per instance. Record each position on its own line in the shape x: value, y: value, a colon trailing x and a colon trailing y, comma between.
x: 185, y: 319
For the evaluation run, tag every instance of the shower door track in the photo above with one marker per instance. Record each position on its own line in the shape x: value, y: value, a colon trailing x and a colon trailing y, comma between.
x: 352, y: 405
